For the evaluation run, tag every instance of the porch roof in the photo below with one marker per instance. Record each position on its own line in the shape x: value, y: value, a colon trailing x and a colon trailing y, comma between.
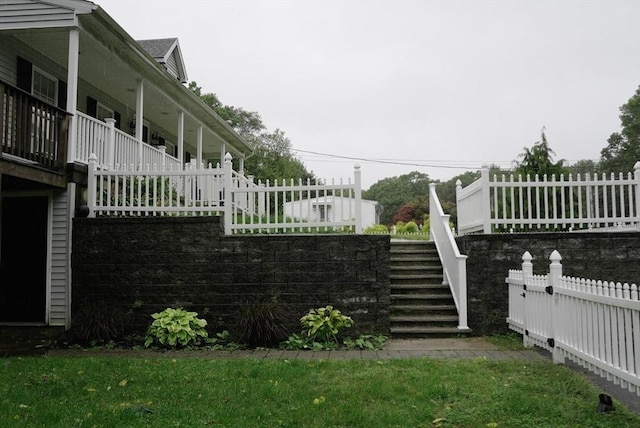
x: 114, y: 62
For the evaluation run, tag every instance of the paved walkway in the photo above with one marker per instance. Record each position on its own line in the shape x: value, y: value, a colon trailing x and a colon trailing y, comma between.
x: 451, y: 349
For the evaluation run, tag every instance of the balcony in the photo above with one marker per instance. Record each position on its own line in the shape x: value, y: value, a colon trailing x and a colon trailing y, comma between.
x: 34, y: 137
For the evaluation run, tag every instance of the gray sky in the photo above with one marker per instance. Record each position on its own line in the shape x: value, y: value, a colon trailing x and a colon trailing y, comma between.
x: 448, y: 85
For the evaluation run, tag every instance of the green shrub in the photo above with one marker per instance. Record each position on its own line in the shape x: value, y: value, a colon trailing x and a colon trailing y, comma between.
x: 176, y: 328
x: 366, y: 342
x: 263, y: 323
x: 323, y: 324
x: 377, y: 228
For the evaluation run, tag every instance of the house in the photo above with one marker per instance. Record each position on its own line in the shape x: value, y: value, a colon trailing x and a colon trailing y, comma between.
x: 332, y: 209
x: 74, y: 83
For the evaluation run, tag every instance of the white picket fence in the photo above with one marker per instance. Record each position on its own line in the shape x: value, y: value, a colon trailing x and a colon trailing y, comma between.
x: 591, y: 322
x: 511, y: 204
x: 247, y: 207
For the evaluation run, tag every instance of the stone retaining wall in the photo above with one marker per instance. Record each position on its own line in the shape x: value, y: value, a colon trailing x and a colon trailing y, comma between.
x: 148, y: 264
x: 592, y: 255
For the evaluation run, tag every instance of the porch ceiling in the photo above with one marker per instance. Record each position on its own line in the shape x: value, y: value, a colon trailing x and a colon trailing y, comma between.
x: 111, y: 61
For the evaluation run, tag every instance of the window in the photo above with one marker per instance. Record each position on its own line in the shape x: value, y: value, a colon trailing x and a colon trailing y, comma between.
x: 44, y: 86
x: 103, y: 112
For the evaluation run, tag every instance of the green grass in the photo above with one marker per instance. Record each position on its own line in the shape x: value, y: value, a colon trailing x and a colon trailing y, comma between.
x: 161, y: 392
x: 506, y: 342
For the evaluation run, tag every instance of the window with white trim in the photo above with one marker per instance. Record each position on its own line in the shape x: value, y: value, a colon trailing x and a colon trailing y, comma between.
x: 44, y: 86
x: 103, y: 112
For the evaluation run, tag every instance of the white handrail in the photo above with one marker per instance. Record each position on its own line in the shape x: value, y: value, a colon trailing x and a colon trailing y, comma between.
x: 453, y: 263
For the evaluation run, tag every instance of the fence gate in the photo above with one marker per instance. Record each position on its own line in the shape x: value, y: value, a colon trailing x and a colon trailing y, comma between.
x: 593, y: 323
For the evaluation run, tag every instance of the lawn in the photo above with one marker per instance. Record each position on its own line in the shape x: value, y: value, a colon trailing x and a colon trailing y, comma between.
x: 164, y: 392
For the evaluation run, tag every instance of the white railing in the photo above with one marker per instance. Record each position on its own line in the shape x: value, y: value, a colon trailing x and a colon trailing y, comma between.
x: 292, y: 207
x: 153, y: 191
x: 510, y: 204
x: 453, y: 263
x: 115, y: 148
x: 247, y: 207
x: 591, y: 322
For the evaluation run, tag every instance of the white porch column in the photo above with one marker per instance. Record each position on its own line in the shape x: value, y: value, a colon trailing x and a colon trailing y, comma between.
x: 199, y: 149
x: 223, y: 152
x: 72, y: 91
x: 139, y: 118
x: 181, y: 138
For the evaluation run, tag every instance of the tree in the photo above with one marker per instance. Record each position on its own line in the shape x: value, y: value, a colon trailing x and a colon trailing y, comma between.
x: 539, y: 160
x: 247, y: 124
x: 273, y: 159
x: 272, y: 156
x: 392, y: 192
x: 623, y: 148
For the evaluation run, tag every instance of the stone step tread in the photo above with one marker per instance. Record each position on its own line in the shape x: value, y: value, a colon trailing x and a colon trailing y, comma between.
x: 414, y: 258
x: 423, y: 308
x: 415, y: 266
x: 413, y: 251
x: 426, y: 330
x: 421, y: 275
x: 419, y: 286
x: 423, y: 318
x: 430, y: 296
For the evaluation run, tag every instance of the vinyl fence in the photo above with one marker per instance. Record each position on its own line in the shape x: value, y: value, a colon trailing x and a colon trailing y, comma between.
x: 512, y: 204
x: 247, y: 207
x: 591, y: 322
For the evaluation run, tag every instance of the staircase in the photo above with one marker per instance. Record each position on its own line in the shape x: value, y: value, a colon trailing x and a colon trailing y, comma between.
x: 421, y: 306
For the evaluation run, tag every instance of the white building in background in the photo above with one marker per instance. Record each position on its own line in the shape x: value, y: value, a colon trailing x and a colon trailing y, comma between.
x: 333, y: 209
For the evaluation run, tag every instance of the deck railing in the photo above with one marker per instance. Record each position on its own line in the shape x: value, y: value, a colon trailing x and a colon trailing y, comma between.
x: 115, y: 148
x: 512, y: 204
x: 453, y: 263
x: 32, y: 130
x: 592, y: 322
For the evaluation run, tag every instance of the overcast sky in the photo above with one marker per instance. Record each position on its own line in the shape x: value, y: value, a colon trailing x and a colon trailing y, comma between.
x: 442, y: 86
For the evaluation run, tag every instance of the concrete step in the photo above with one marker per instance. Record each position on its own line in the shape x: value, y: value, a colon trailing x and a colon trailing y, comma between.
x: 426, y: 332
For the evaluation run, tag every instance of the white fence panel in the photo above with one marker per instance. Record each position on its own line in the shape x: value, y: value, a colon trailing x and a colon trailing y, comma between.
x: 512, y: 204
x: 152, y: 191
x: 591, y: 322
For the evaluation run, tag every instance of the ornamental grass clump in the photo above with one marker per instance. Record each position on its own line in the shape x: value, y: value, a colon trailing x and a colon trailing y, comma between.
x: 175, y: 328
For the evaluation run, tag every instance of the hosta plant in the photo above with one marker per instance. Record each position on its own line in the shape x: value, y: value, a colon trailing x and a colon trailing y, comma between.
x: 176, y: 328
x: 323, y: 324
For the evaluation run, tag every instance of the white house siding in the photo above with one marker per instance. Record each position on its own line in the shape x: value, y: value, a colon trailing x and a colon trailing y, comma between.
x: 339, y: 209
x: 17, y: 14
x: 8, y: 60
x: 172, y: 65
x: 60, y: 223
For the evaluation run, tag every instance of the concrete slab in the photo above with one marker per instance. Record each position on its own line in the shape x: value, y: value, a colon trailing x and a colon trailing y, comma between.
x: 444, y: 344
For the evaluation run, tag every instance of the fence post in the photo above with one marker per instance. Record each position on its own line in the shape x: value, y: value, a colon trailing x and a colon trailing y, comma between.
x: 228, y: 194
x: 486, y: 201
x: 110, y: 150
x: 636, y: 167
x: 555, y: 273
x: 527, y: 272
x: 92, y: 184
x: 358, y: 200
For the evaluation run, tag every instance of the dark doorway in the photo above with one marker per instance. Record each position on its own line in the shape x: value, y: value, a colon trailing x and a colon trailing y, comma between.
x: 23, y: 259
